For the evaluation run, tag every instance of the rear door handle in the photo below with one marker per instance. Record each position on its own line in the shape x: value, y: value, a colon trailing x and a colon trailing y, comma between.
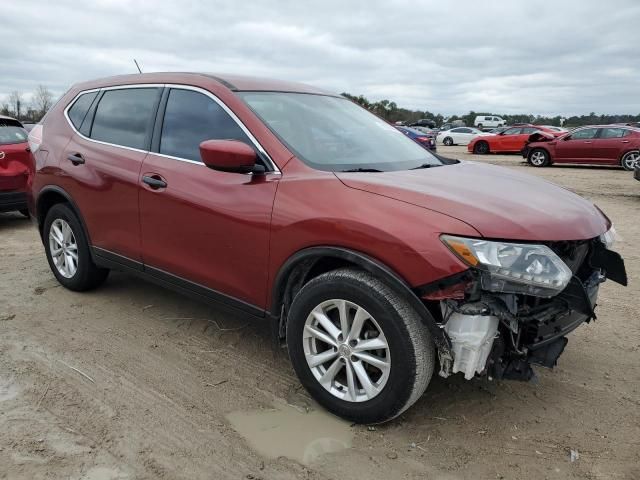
x: 588, y: 142
x: 625, y: 141
x: 75, y: 158
x: 155, y: 182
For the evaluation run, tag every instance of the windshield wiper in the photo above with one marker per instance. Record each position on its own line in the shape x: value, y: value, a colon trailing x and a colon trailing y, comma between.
x: 425, y: 165
x: 360, y: 169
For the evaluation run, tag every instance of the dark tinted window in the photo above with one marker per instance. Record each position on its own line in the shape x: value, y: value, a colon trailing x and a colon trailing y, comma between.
x: 191, y: 118
x: 80, y: 107
x: 123, y: 116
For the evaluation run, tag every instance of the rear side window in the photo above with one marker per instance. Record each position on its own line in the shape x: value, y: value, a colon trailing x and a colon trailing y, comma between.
x: 124, y: 117
x: 529, y: 130
x: 80, y: 107
x: 512, y: 131
x: 612, y: 133
x: 191, y: 118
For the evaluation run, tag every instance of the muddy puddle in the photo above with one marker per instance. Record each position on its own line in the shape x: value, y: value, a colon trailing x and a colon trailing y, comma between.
x: 289, y: 432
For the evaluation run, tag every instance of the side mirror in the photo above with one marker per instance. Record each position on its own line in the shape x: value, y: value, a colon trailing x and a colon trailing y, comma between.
x: 229, y: 156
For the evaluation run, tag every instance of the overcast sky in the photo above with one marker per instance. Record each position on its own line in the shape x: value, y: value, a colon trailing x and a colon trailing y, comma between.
x: 562, y: 57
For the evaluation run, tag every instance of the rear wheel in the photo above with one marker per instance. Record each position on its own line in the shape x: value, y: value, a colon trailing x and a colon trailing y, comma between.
x: 539, y: 157
x: 448, y: 141
x: 481, y: 148
x: 358, y: 347
x: 480, y: 126
x: 68, y: 252
x: 629, y: 160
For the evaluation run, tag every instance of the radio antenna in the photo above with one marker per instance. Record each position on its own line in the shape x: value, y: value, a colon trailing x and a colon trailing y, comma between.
x: 138, y: 66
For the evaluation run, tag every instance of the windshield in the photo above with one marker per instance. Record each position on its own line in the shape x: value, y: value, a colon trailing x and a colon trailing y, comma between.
x: 334, y: 134
x: 12, y: 134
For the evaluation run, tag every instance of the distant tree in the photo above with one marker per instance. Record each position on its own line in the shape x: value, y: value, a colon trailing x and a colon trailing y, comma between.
x: 42, y: 100
x: 16, y: 102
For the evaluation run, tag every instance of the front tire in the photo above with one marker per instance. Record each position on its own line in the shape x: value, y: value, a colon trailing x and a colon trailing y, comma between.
x: 448, y: 141
x: 629, y: 160
x: 358, y: 347
x: 481, y: 148
x: 539, y: 157
x: 68, y: 252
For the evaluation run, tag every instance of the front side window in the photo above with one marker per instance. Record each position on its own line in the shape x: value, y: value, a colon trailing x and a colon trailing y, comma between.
x: 464, y: 130
x: 585, y: 134
x: 512, y: 131
x: 612, y: 133
x: 333, y: 134
x: 125, y: 117
x: 191, y: 118
x: 80, y: 107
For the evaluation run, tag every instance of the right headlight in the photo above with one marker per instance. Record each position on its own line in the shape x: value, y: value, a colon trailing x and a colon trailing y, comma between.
x: 512, y: 267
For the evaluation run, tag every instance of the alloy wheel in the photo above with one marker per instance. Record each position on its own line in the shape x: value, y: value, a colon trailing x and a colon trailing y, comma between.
x: 538, y: 158
x: 346, y: 350
x: 63, y: 248
x: 630, y: 160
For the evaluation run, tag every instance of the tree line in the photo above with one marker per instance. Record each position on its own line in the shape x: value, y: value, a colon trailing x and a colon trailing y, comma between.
x: 15, y: 105
x: 392, y: 113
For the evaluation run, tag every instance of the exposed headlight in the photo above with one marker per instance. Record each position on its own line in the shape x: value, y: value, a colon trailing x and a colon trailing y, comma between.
x: 609, y: 237
x: 512, y: 267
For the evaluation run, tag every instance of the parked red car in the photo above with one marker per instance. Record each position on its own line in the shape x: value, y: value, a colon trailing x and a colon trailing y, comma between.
x: 15, y: 166
x: 368, y: 254
x: 597, y: 145
x: 510, y: 140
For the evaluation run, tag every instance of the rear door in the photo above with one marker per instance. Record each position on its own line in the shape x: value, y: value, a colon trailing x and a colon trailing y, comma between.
x: 577, y: 147
x: 610, y: 144
x: 205, y: 227
x: 102, y: 163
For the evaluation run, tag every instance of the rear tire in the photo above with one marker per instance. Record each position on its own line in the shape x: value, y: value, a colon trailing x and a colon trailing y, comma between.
x: 479, y: 126
x: 481, y: 148
x: 538, y: 157
x: 67, y: 250
x: 448, y: 141
x: 403, y: 347
x: 629, y: 160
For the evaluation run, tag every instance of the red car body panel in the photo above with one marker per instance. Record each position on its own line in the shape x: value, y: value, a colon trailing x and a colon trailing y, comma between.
x: 596, y: 151
x: 501, y: 143
x: 15, y: 167
x: 233, y: 233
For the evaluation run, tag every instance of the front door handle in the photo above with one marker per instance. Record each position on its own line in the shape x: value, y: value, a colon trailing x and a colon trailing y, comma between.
x: 155, y: 182
x: 587, y: 142
x: 75, y: 158
x: 625, y: 141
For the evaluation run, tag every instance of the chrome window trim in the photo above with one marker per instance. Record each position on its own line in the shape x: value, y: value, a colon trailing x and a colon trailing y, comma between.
x: 274, y: 168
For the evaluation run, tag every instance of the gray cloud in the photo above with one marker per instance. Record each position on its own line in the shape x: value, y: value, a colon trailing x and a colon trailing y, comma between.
x: 501, y: 56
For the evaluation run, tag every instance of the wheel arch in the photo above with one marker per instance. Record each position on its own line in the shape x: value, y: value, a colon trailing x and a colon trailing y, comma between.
x: 50, y: 196
x: 543, y: 148
x: 310, y: 262
x: 625, y: 152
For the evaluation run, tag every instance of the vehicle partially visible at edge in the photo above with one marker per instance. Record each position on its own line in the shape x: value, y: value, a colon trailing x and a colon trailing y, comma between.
x: 15, y: 166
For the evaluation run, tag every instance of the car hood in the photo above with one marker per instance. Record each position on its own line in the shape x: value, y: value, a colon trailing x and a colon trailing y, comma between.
x: 498, y: 202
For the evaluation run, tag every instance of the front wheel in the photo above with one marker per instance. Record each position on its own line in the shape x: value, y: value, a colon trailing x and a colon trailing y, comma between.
x: 539, y: 157
x: 358, y: 347
x: 629, y: 160
x: 481, y: 148
x: 68, y: 252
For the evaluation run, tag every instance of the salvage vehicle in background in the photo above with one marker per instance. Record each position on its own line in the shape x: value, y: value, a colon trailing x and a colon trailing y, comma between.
x: 596, y: 145
x: 15, y: 166
x: 458, y: 136
x: 423, y: 139
x: 368, y: 254
x: 511, y: 140
x: 488, y: 121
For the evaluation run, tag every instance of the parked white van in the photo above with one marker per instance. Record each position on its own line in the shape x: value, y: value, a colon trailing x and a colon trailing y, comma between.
x: 488, y: 121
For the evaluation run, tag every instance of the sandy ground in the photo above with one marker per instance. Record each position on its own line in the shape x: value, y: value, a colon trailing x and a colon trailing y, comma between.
x: 133, y: 381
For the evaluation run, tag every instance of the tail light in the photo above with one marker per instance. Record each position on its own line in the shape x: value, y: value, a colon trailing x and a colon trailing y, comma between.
x: 424, y: 139
x: 35, y: 138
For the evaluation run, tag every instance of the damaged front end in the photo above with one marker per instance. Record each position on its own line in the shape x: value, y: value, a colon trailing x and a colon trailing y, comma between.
x: 517, y: 302
x: 535, y: 137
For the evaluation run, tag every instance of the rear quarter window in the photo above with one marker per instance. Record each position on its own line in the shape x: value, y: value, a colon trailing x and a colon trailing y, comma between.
x: 80, y: 107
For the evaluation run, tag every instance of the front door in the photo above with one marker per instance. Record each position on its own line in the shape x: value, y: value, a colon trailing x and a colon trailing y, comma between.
x: 577, y: 147
x: 202, y: 226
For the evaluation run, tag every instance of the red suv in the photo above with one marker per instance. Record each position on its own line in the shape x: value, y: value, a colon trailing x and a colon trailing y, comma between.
x: 373, y: 259
x: 15, y: 166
